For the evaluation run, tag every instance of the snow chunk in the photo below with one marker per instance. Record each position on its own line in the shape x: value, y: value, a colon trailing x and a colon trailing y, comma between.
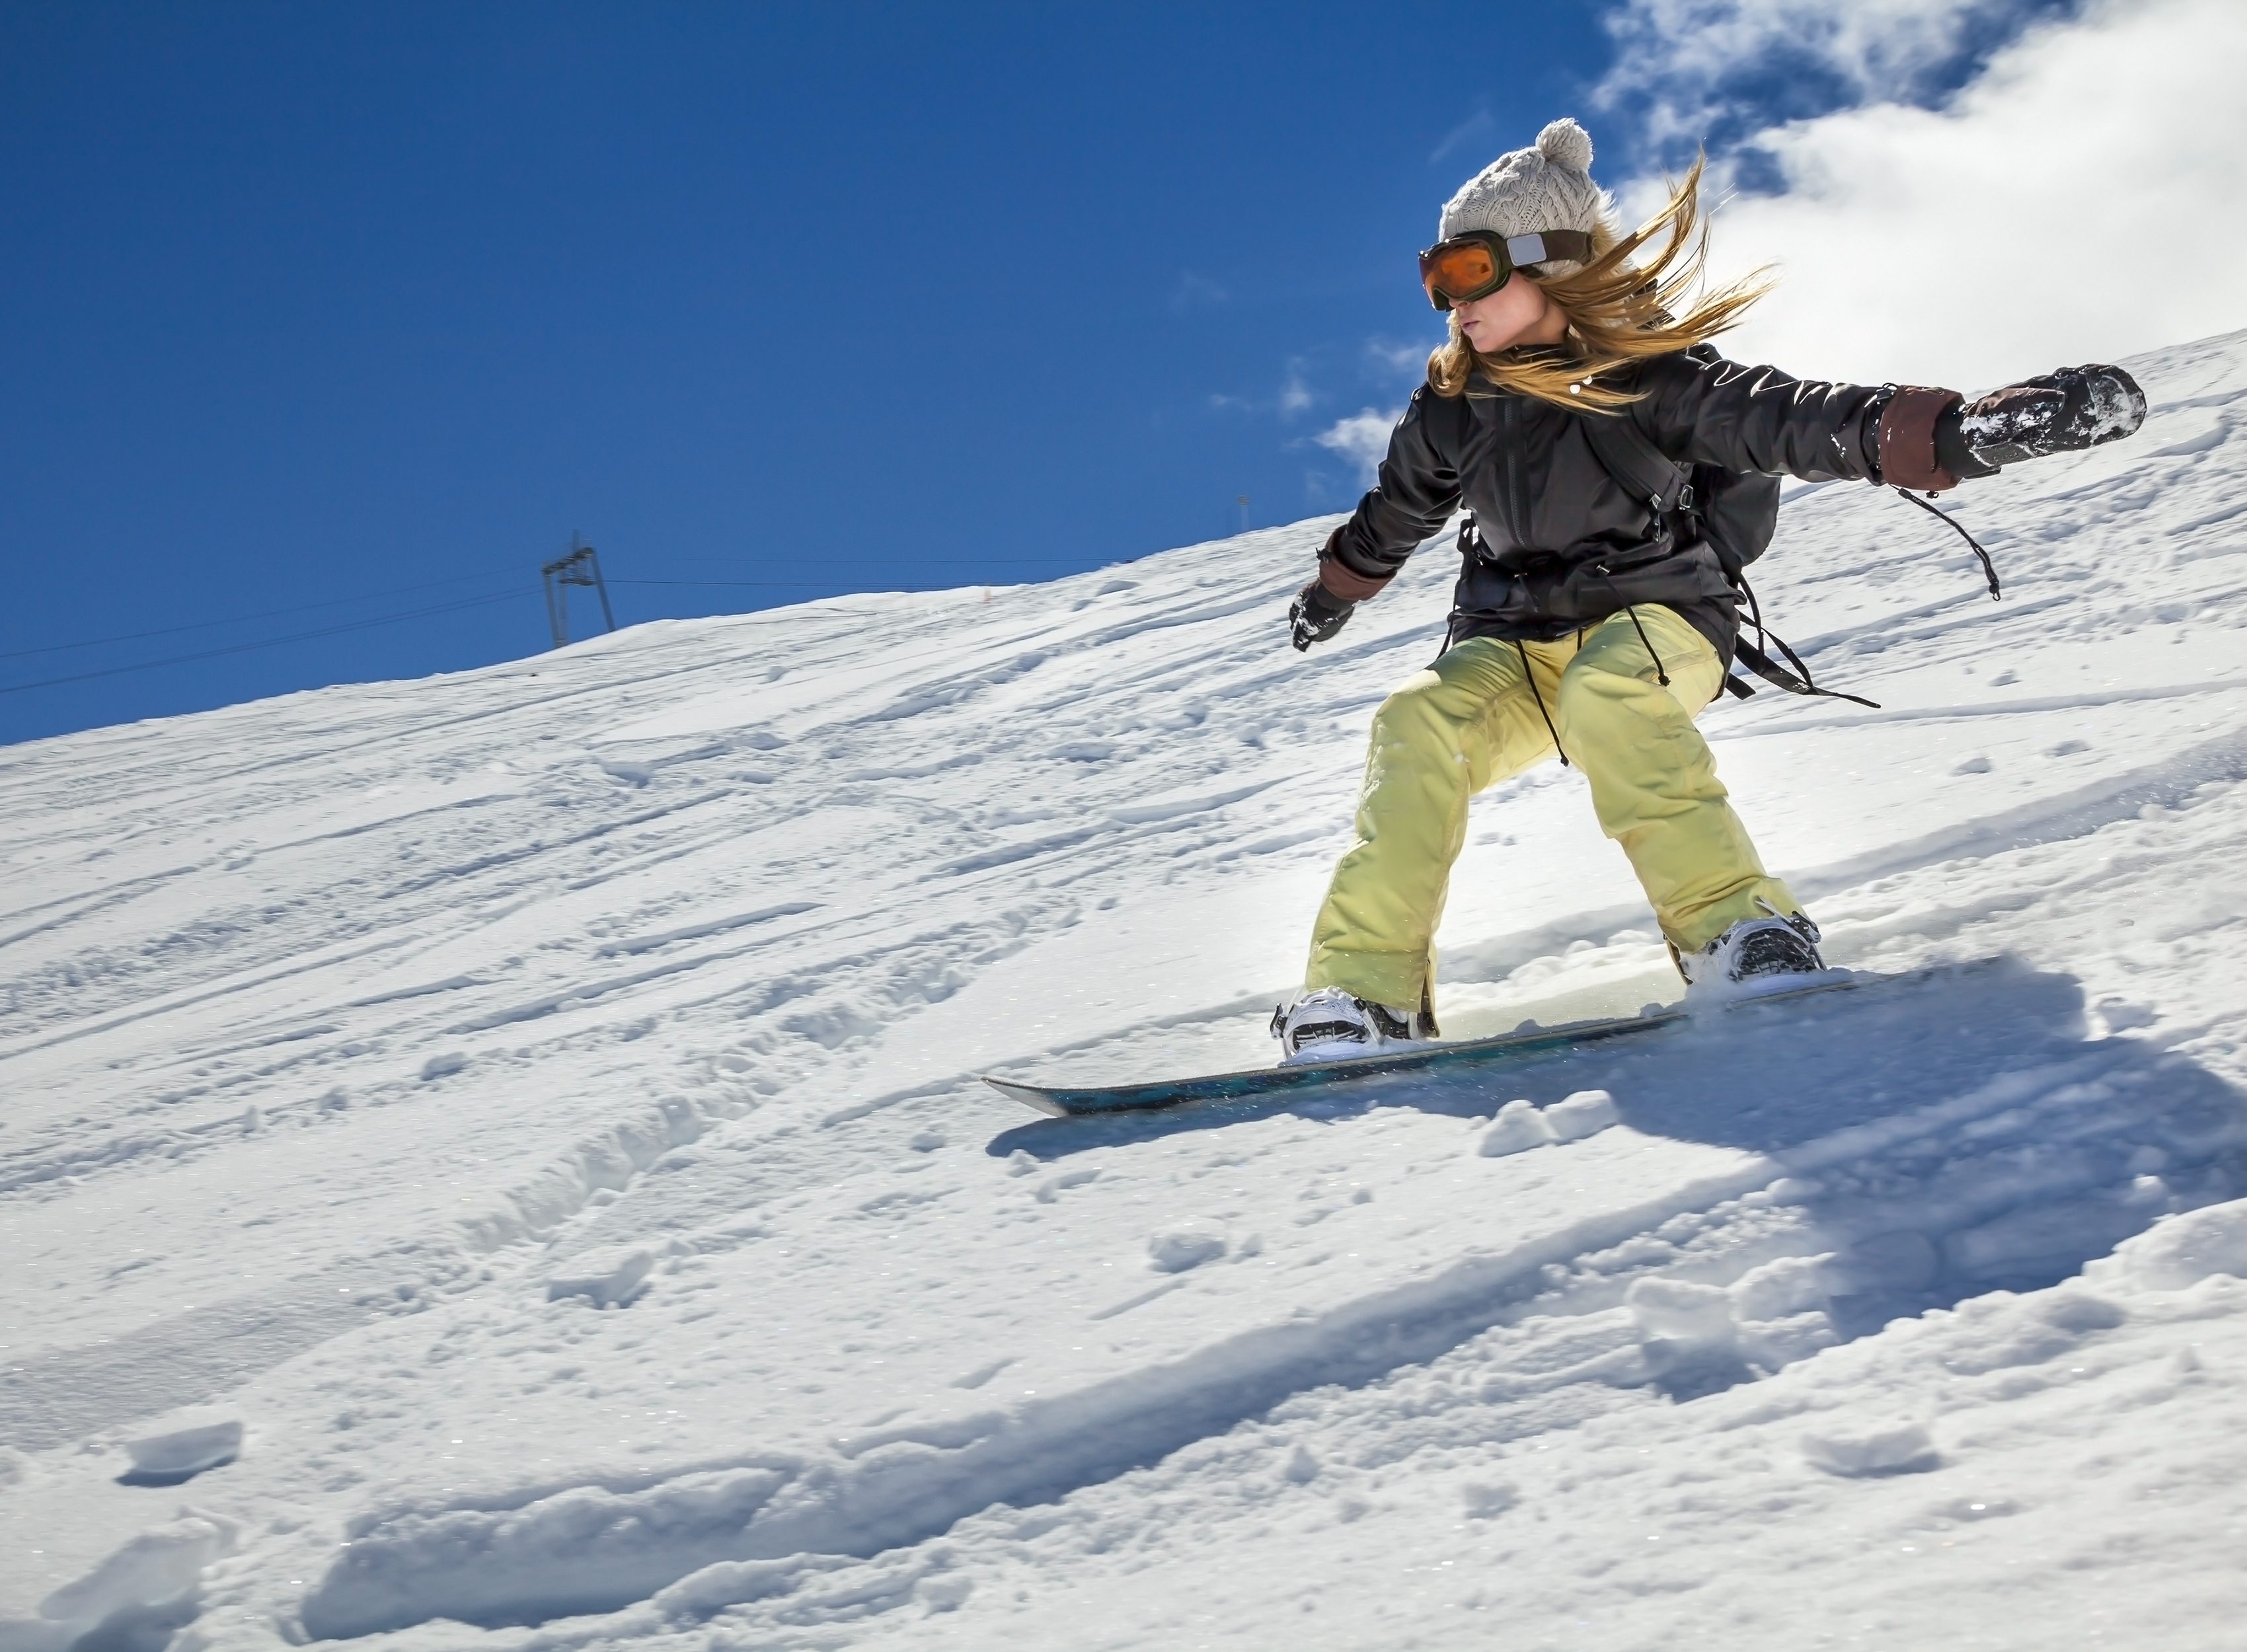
x: 1681, y: 1311
x: 947, y: 1592
x: 712, y: 1589
x: 1897, y: 1447
x: 1185, y: 1245
x: 1486, y: 1497
x: 1518, y: 1128
x: 985, y: 1372
x: 1054, y: 1186
x: 611, y: 1275
x: 440, y: 1066
x: 1781, y: 1289
x: 185, y: 1443
x: 1774, y: 1344
x: 580, y: 1545
x: 2120, y: 1015
x: 161, y: 1563
x: 1585, y: 1113
x: 2181, y: 1251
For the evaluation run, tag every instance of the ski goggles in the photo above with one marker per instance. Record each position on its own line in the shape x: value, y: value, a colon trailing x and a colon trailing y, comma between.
x: 1478, y: 264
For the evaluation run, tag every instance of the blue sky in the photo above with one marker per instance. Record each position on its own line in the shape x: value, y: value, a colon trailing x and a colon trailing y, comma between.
x: 325, y: 315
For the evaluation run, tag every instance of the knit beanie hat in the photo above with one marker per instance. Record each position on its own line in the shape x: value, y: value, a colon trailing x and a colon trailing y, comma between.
x: 1548, y: 186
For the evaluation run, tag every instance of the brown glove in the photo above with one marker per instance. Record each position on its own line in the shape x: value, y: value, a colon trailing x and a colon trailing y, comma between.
x: 1909, y: 456
x: 1930, y: 439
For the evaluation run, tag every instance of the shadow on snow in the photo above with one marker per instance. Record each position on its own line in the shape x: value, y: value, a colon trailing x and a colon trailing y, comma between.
x: 1952, y: 1134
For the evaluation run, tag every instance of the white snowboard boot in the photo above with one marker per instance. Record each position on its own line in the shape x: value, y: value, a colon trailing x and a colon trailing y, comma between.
x: 1331, y: 1026
x: 1754, y: 950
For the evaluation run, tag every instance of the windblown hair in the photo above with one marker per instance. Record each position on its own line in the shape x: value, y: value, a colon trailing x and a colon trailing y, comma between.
x: 1619, y: 312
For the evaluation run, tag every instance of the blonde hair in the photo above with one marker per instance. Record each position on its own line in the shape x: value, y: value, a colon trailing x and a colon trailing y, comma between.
x: 1619, y: 312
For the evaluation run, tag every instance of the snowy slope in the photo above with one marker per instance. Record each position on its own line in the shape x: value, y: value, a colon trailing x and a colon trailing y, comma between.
x: 539, y: 1107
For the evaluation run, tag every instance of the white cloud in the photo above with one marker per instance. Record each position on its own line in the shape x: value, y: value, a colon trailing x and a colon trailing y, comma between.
x: 1196, y: 292
x: 1692, y: 68
x: 2080, y: 198
x: 1408, y: 361
x: 1363, y: 438
x: 1293, y: 396
x: 1476, y: 129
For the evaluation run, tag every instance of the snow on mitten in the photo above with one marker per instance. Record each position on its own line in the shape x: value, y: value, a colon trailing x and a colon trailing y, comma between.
x: 1316, y: 614
x: 2059, y: 412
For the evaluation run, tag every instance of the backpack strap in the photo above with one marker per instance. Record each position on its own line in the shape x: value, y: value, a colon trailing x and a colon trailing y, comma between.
x: 1770, y: 670
x: 1777, y: 675
x: 1639, y: 467
x: 1643, y: 471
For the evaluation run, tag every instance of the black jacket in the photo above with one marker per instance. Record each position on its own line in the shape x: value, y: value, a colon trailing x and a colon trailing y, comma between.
x: 1557, y: 544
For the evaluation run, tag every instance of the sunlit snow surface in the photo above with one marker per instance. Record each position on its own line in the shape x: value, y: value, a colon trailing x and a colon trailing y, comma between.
x: 539, y: 1107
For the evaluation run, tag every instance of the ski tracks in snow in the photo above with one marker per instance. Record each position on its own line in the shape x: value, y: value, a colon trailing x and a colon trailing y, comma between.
x: 1328, y: 1300
x: 542, y: 1102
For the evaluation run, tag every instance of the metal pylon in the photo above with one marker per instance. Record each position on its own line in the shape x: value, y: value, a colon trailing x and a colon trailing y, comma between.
x: 580, y: 567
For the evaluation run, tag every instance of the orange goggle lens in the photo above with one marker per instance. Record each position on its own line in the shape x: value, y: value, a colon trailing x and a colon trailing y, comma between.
x: 1458, y: 271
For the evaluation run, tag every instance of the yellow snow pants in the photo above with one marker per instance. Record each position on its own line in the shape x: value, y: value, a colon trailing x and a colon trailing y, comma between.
x: 1471, y: 721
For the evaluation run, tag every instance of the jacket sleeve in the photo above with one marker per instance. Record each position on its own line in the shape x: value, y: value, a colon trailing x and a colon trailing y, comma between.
x: 1714, y: 412
x: 1418, y: 490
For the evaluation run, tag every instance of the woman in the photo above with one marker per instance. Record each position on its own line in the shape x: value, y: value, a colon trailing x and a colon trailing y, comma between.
x: 1583, y: 625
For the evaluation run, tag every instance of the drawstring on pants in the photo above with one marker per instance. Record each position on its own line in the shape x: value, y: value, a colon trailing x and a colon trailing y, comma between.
x: 1530, y: 677
x: 1604, y: 572
x: 1660, y: 675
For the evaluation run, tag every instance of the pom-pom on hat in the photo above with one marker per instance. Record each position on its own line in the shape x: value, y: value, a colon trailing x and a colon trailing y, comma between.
x: 1548, y: 186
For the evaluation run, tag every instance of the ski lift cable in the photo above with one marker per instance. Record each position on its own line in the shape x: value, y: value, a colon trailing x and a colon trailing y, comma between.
x: 270, y: 642
x: 243, y: 620
x: 369, y: 595
x: 837, y: 587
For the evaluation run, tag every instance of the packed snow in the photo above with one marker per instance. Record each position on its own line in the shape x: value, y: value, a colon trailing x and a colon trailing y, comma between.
x: 583, y: 1054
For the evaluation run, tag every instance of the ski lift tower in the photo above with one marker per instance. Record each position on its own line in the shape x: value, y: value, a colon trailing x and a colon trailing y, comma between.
x: 580, y: 567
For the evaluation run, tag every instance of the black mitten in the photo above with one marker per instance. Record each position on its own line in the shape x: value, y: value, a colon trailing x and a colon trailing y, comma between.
x: 1317, y: 615
x: 2061, y: 411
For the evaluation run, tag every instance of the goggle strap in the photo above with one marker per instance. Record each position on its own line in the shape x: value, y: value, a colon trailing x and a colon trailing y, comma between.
x: 1574, y: 246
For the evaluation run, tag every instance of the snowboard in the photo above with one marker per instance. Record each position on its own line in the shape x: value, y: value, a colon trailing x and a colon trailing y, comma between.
x: 1070, y: 1102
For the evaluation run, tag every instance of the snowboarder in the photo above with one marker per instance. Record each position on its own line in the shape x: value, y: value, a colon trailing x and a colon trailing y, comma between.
x: 1585, y: 624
